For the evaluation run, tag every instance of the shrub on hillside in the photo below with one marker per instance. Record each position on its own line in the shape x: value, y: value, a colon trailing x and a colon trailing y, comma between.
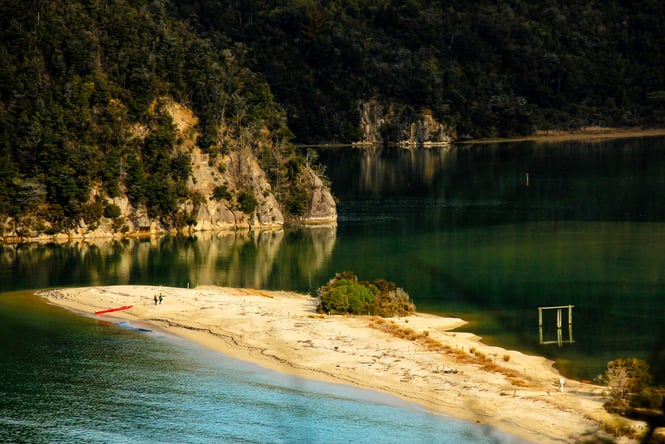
x: 345, y: 294
x: 247, y: 202
x: 221, y: 192
x: 112, y: 211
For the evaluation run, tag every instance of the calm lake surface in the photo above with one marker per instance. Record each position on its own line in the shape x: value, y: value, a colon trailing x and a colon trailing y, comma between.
x: 484, y: 232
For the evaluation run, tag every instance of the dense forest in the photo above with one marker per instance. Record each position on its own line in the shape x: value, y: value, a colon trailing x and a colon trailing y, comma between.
x: 82, y: 121
x: 486, y: 67
x: 77, y: 78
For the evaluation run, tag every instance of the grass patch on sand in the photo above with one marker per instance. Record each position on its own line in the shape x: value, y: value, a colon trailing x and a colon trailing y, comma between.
x: 423, y: 339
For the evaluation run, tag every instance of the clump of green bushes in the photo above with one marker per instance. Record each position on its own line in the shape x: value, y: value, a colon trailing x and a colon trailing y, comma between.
x: 346, y: 294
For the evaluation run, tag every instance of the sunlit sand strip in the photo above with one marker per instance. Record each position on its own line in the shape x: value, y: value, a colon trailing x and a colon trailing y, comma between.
x: 419, y: 358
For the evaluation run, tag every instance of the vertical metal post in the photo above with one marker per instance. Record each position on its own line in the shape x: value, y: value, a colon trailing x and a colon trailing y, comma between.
x: 540, y: 317
x: 570, y: 315
x: 540, y: 334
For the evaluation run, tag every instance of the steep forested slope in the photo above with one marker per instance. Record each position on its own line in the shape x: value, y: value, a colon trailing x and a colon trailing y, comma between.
x: 486, y: 67
x: 83, y: 121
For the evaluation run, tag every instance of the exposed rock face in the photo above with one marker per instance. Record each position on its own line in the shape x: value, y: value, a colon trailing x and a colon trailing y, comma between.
x: 242, y: 170
x: 239, y: 171
x: 321, y: 208
x: 397, y: 123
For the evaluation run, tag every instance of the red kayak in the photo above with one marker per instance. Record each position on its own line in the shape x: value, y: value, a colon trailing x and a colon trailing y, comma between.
x: 109, y: 310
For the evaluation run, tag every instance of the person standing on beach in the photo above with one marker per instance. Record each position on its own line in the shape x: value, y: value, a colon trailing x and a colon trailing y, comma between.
x: 155, y: 297
x: 160, y: 298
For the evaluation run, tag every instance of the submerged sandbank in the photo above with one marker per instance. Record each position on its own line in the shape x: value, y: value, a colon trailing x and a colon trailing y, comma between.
x: 419, y: 358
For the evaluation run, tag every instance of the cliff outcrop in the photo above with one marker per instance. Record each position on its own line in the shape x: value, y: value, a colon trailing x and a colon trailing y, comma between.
x: 227, y: 191
x: 390, y: 122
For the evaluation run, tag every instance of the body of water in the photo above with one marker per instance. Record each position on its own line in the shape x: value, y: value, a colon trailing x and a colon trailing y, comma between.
x: 72, y: 379
x: 484, y: 232
x: 491, y: 232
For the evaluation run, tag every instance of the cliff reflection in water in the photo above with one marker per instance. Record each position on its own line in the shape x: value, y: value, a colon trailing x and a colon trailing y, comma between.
x: 383, y: 171
x: 478, y: 184
x: 285, y: 259
x: 458, y: 229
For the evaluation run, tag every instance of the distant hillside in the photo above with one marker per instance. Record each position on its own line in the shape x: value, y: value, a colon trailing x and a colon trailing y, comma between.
x: 87, y: 133
x: 484, y: 67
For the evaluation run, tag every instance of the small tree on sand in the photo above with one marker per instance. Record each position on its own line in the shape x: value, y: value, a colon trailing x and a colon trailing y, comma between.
x: 626, y: 378
x: 345, y: 294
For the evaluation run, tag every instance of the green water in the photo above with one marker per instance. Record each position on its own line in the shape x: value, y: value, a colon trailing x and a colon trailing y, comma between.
x: 469, y: 233
x: 462, y: 230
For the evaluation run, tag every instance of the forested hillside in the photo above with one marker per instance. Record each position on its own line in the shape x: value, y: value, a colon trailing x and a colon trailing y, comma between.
x: 85, y: 88
x: 486, y: 67
x: 84, y: 121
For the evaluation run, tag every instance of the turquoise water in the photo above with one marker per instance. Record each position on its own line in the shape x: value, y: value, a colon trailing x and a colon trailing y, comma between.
x: 72, y: 379
x: 460, y: 229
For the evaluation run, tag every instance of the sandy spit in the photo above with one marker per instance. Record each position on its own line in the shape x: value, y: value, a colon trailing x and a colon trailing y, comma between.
x: 419, y: 358
x: 590, y: 134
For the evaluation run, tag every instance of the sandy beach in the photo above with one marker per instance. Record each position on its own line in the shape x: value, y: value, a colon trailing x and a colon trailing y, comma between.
x: 589, y: 134
x: 419, y: 358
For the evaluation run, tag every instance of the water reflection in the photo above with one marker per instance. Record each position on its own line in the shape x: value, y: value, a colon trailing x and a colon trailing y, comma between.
x: 456, y: 228
x: 616, y: 180
x: 240, y: 259
x: 462, y: 232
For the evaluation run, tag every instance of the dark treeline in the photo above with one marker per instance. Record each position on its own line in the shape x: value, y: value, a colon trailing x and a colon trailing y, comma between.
x: 489, y: 68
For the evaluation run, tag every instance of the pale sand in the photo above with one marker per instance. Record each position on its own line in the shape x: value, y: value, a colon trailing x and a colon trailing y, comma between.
x: 585, y: 134
x: 514, y: 392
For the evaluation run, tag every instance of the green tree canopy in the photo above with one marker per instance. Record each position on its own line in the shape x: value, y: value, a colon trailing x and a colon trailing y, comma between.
x: 345, y: 294
x: 485, y: 67
x: 78, y: 78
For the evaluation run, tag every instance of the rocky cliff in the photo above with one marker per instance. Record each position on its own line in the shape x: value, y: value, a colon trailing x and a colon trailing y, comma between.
x: 236, y: 173
x: 390, y: 122
x: 241, y: 170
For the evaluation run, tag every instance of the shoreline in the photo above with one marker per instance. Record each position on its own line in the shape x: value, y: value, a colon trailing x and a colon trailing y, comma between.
x: 419, y: 358
x: 583, y: 134
x: 589, y: 134
x: 551, y: 136
x: 74, y: 237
